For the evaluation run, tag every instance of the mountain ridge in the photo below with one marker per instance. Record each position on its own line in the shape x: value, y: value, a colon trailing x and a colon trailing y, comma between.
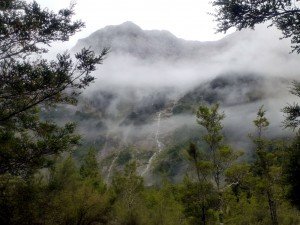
x: 130, y: 38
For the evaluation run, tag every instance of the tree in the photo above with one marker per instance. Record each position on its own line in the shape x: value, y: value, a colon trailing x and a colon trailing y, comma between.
x: 284, y: 14
x: 292, y: 166
x: 29, y: 83
x: 200, y: 197
x: 264, y: 167
x: 73, y: 199
x: 163, y: 206
x: 128, y: 187
x: 201, y: 201
x: 292, y: 171
x: 292, y: 111
x: 90, y: 171
x: 90, y: 167
x: 220, y: 155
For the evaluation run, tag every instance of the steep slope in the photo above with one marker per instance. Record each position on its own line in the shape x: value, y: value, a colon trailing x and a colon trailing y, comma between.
x: 142, y: 104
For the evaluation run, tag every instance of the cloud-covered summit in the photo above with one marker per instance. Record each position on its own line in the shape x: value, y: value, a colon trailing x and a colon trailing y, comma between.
x: 250, y: 51
x: 148, y: 69
x: 128, y: 38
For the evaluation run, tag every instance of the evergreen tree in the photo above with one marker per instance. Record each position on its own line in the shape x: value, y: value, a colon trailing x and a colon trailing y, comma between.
x: 284, y: 14
x: 128, y: 188
x: 164, y: 205
x: 29, y: 83
x: 292, y: 171
x: 200, y: 197
x: 73, y: 199
x: 219, y: 156
x: 264, y: 165
x: 90, y: 171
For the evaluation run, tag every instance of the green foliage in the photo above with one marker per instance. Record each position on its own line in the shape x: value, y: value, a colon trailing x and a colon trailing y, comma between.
x: 284, y: 14
x: 90, y: 171
x: 31, y: 84
x: 211, y: 119
x: 201, y: 202
x: 20, y: 201
x: 128, y: 178
x: 292, y: 111
x: 63, y: 174
x: 292, y: 171
x: 171, y: 162
x: 265, y: 169
x: 61, y: 197
x: 128, y: 188
x: 89, y: 167
x: 26, y: 30
x: 25, y: 151
x: 70, y: 187
x: 210, y: 164
x: 252, y: 208
x: 163, y: 205
x: 124, y: 156
x: 219, y: 154
x: 41, y: 183
x: 67, y: 194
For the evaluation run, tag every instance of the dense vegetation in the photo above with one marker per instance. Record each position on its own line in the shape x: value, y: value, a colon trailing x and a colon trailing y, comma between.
x: 42, y: 183
x: 217, y: 188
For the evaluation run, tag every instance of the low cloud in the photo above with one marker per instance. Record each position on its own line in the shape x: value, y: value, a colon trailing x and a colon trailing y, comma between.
x: 133, y: 83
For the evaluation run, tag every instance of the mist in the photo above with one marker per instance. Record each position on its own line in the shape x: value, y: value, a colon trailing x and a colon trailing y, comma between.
x: 148, y: 73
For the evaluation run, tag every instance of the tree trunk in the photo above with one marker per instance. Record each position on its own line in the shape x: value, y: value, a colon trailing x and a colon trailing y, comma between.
x: 272, y: 207
x: 203, y: 218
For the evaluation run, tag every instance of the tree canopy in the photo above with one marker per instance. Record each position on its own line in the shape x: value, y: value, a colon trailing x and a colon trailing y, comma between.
x: 284, y: 14
x: 29, y: 82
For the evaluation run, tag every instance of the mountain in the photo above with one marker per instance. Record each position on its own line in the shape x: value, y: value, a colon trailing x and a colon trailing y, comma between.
x: 143, y: 102
x: 128, y: 38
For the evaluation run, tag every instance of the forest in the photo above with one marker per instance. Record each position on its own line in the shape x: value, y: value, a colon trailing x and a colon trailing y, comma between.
x: 43, y: 180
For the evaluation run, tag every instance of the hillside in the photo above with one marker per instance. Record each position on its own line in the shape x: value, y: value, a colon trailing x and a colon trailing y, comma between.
x: 147, y: 91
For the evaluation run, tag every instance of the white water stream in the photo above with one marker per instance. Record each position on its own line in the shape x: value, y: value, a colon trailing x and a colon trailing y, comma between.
x: 111, y: 167
x: 159, y: 145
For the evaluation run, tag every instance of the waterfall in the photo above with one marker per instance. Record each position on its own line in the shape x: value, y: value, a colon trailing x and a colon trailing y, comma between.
x: 159, y: 146
x: 104, y: 148
x: 158, y: 143
x: 111, y: 167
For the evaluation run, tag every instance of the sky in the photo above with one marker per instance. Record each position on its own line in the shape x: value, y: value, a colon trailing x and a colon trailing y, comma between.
x: 188, y: 19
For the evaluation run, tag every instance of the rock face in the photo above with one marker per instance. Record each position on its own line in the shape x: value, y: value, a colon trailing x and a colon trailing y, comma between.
x: 152, y: 77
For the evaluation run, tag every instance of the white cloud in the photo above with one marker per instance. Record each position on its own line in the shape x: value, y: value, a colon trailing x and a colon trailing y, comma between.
x: 187, y: 19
